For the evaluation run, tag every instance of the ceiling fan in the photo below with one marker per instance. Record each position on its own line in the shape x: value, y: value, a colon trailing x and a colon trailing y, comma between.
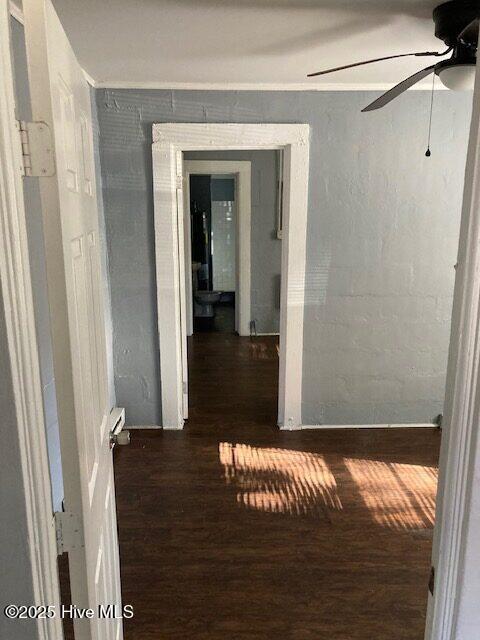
x: 457, y: 24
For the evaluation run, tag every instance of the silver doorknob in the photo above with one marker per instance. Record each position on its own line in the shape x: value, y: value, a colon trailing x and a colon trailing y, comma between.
x: 120, y: 438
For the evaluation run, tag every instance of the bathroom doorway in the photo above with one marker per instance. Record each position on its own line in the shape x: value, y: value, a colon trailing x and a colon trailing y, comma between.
x: 233, y: 249
x: 217, y: 245
x: 213, y: 218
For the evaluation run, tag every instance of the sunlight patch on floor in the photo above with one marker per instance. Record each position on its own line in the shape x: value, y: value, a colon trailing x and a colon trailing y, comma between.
x: 279, y: 480
x: 400, y: 496
x: 274, y: 480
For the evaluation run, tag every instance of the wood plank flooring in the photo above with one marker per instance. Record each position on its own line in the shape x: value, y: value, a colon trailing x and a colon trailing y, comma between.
x: 232, y: 529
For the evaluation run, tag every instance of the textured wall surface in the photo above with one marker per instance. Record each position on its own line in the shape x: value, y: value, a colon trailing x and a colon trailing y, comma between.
x: 382, y: 235
x: 266, y: 249
x: 39, y: 277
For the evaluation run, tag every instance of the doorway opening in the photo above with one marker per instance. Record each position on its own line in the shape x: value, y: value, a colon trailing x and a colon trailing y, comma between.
x: 232, y: 258
x: 213, y: 219
x: 217, y: 243
x: 170, y: 142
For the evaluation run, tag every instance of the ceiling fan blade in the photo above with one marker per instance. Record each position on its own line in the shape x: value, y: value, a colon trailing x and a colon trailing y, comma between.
x: 358, y: 64
x: 469, y: 35
x: 399, y: 88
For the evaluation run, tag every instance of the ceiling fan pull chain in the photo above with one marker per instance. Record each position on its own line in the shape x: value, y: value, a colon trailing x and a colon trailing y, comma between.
x: 428, y: 152
x: 438, y: 54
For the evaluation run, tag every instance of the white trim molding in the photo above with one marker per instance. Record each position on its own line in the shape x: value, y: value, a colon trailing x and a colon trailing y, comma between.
x: 255, y: 86
x: 458, y: 487
x: 400, y: 425
x: 242, y: 170
x: 265, y: 333
x: 22, y: 342
x: 169, y: 142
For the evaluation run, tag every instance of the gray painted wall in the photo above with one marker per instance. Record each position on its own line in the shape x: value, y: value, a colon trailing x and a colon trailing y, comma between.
x: 38, y: 273
x: 266, y: 249
x: 382, y: 234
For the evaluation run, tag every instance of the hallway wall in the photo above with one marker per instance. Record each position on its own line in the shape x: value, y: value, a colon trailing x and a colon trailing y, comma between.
x: 381, y: 243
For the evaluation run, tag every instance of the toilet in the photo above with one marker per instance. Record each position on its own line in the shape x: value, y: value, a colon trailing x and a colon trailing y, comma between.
x: 204, y: 303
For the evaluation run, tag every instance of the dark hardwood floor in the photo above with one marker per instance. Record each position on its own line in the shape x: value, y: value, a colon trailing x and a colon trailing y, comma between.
x: 232, y: 529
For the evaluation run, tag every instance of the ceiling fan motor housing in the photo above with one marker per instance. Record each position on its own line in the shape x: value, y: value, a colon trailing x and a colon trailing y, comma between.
x: 452, y: 17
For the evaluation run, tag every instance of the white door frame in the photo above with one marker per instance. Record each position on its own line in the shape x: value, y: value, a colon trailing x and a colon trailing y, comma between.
x: 169, y: 142
x: 242, y: 170
x: 16, y: 288
x: 459, y: 488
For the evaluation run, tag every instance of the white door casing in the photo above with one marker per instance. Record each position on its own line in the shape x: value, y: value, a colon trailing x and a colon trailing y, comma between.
x: 168, y: 141
x: 457, y: 514
x: 25, y: 418
x: 61, y: 98
x: 242, y: 169
x: 181, y: 205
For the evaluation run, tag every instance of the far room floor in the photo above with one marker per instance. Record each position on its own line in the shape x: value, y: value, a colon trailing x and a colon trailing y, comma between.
x: 234, y: 529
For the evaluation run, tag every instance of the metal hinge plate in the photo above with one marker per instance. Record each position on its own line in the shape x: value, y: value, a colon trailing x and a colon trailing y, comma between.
x: 37, y: 149
x: 431, y: 581
x: 184, y: 387
x: 69, y: 533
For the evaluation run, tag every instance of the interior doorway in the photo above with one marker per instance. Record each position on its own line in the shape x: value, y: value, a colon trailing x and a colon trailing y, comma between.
x: 213, y: 217
x: 217, y: 245
x: 170, y: 141
x: 232, y: 255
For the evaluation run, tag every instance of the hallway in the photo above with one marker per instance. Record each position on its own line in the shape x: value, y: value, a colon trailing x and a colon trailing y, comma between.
x: 233, y: 529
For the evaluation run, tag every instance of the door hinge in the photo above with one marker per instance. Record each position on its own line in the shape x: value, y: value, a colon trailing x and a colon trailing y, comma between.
x: 180, y: 181
x: 68, y: 532
x: 184, y: 387
x: 431, y: 580
x: 37, y: 149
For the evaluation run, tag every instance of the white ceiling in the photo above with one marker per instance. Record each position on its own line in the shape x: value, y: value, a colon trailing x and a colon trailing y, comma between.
x: 247, y: 43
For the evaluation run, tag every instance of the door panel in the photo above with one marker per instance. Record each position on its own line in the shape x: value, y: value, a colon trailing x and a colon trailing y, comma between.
x: 76, y: 302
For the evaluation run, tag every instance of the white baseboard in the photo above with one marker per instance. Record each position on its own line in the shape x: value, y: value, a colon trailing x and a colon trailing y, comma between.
x: 255, y: 335
x: 402, y: 425
x: 304, y: 427
x: 144, y: 426
x: 156, y: 426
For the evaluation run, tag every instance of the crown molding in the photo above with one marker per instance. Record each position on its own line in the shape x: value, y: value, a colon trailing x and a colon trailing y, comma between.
x: 249, y: 86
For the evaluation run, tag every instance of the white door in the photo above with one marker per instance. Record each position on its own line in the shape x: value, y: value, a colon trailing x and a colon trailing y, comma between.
x: 61, y: 98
